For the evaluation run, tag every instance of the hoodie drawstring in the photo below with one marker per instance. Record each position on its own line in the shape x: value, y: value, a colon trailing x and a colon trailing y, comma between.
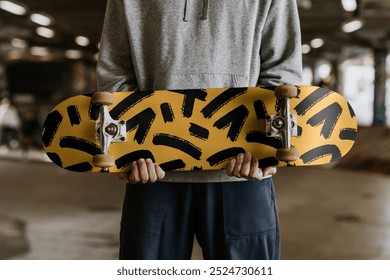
x: 186, y: 10
x: 205, y: 12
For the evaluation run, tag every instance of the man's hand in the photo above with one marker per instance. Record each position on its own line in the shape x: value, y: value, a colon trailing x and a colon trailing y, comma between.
x: 243, y: 166
x: 143, y: 171
x: 246, y: 166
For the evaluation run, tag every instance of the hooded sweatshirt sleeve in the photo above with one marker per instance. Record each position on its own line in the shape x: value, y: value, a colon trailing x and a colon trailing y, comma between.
x: 115, y: 71
x: 281, y: 55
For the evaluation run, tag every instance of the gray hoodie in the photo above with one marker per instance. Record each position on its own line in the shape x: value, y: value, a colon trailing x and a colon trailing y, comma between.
x: 177, y: 44
x: 184, y: 44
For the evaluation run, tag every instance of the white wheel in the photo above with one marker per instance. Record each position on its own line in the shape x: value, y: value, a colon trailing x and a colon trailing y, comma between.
x: 286, y: 91
x: 103, y: 161
x: 287, y: 154
x: 103, y: 98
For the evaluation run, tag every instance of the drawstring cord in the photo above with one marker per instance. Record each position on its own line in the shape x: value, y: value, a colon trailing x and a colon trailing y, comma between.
x: 205, y: 12
x: 186, y: 10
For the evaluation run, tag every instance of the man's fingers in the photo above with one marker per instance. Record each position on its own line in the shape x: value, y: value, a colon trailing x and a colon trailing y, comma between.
x: 230, y: 167
x: 246, y: 165
x: 255, y: 173
x: 237, y: 166
x: 152, y: 176
x: 143, y: 171
x: 160, y: 173
x: 271, y: 170
x: 134, y: 174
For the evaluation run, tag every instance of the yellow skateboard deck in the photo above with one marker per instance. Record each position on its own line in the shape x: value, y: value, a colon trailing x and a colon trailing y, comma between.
x: 200, y: 129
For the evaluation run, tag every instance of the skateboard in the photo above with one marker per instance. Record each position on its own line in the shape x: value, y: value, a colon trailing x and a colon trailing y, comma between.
x: 199, y: 129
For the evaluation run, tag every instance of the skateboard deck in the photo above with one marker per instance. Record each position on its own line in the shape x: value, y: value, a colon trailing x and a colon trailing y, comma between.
x: 200, y: 129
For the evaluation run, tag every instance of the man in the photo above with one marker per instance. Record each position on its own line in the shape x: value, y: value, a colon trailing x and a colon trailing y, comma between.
x: 183, y: 44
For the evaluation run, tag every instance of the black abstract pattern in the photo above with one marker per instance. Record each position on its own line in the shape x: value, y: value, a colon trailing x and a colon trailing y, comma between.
x: 326, y: 123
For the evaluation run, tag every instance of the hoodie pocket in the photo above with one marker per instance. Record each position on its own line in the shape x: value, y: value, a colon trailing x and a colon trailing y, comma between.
x: 249, y: 208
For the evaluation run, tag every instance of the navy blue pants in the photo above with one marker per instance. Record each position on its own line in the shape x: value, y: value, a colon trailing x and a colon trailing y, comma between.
x: 235, y: 220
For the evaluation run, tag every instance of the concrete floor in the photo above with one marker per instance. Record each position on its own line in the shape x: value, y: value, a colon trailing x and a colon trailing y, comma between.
x: 49, y: 213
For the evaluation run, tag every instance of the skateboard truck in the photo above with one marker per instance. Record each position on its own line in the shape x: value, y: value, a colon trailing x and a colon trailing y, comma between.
x: 107, y: 129
x: 283, y: 124
x: 276, y: 127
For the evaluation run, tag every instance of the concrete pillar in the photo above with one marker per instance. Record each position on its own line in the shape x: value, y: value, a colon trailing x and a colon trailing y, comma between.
x: 380, y: 55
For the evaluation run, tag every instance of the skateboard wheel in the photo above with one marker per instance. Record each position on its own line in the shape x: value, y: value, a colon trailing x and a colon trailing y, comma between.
x: 103, y: 161
x: 286, y: 91
x: 103, y: 98
x: 287, y: 154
